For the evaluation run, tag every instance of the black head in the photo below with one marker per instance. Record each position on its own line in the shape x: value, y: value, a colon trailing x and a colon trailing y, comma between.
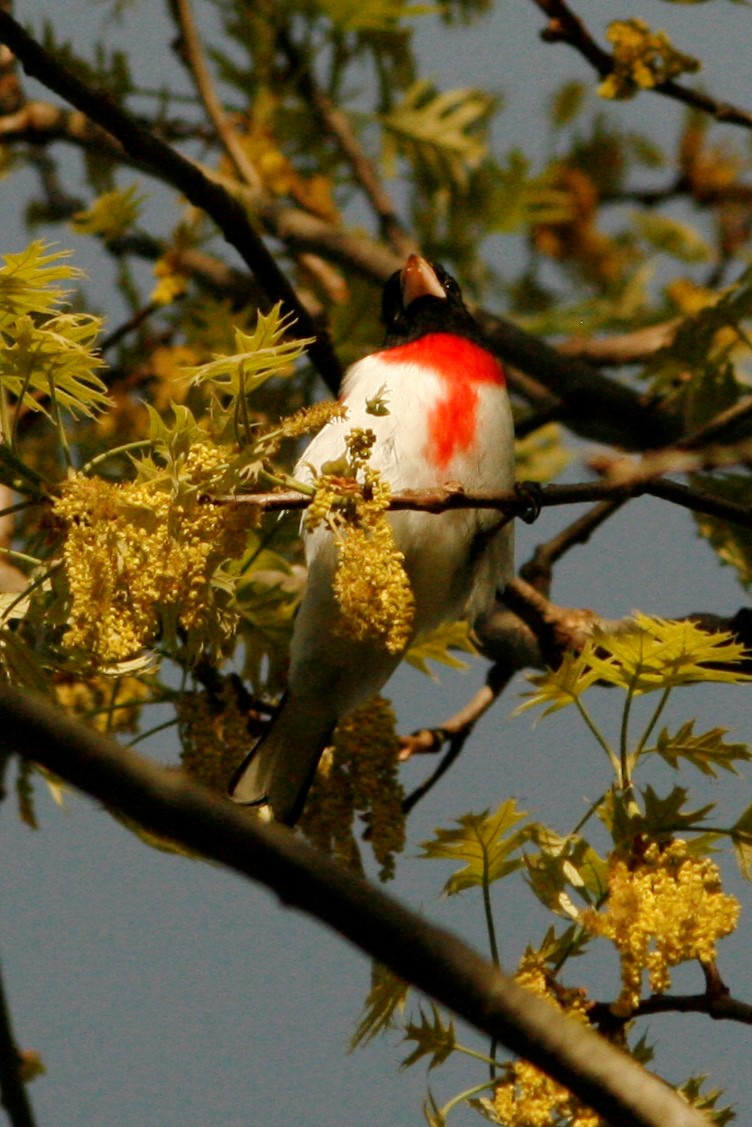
x: 422, y: 298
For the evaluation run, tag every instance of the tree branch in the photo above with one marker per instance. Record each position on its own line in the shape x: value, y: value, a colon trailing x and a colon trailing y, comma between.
x: 434, y: 960
x: 448, y: 498
x: 195, y: 61
x: 168, y: 165
x: 13, y: 1094
x: 721, y: 1007
x: 565, y: 27
x: 456, y: 730
x: 337, y: 124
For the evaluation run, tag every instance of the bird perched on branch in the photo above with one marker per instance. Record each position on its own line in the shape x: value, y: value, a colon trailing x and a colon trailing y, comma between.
x: 443, y: 416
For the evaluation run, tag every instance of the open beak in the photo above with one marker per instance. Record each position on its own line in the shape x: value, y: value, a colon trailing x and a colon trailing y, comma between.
x: 418, y: 279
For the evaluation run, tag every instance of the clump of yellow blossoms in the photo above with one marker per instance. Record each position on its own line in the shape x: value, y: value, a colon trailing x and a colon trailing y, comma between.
x: 140, y: 559
x: 213, y: 734
x: 527, y: 1097
x: 108, y: 704
x: 664, y: 909
x: 371, y: 586
x: 359, y: 775
x: 642, y: 58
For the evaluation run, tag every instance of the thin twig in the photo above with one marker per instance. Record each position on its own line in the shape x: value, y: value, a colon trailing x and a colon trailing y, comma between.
x: 718, y: 1006
x: 165, y: 163
x: 446, y: 499
x: 565, y: 27
x: 196, y: 64
x: 13, y: 1094
x: 719, y: 426
x: 457, y: 730
x: 538, y: 570
x: 622, y: 348
x: 437, y: 962
x: 337, y: 124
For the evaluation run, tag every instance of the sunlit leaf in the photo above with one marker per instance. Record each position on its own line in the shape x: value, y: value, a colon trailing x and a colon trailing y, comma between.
x: 486, y: 843
x: 442, y: 131
x: 438, y: 644
x: 29, y: 281
x: 55, y: 358
x: 707, y: 751
x: 259, y: 355
x: 560, y: 687
x: 706, y: 1102
x: 563, y: 865
x: 657, y: 653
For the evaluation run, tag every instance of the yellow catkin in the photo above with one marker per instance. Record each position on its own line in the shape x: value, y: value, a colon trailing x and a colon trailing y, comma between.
x: 666, y: 909
x: 371, y: 586
x: 525, y: 1096
x: 109, y: 704
x: 359, y: 775
x: 140, y: 557
x: 213, y: 733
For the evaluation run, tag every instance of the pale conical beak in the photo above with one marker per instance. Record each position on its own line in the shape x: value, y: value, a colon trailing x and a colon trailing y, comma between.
x: 418, y: 279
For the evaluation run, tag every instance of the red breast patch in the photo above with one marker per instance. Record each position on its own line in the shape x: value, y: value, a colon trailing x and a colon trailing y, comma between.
x: 454, y: 358
x: 462, y: 365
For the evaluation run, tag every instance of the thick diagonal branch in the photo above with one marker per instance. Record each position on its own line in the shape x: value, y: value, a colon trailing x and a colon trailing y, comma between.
x: 431, y: 958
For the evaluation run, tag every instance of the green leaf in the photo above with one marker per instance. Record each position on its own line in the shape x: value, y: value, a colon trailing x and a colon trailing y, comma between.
x: 732, y: 543
x: 259, y: 355
x: 556, y: 947
x: 741, y: 836
x: 670, y: 236
x: 387, y: 996
x: 370, y: 15
x: 433, y: 1114
x: 111, y: 215
x: 665, y: 817
x: 56, y: 357
x: 541, y: 455
x: 29, y: 281
x: 442, y: 132
x: 657, y: 653
x: 485, y: 842
x: 706, y: 1102
x: 706, y: 751
x: 560, y: 687
x: 563, y: 864
x: 437, y: 644
x: 432, y: 1038
x: 567, y: 102
x: 519, y: 200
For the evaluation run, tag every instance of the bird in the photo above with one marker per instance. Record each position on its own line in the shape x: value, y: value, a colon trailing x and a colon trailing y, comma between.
x: 447, y: 420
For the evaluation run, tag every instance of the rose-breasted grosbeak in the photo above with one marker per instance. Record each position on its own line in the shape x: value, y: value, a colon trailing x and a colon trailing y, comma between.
x: 448, y: 419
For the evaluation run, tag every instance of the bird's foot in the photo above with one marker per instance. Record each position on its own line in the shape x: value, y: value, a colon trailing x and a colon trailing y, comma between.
x: 531, y: 494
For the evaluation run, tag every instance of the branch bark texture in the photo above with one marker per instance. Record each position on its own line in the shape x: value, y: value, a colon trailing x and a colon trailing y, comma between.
x: 429, y: 957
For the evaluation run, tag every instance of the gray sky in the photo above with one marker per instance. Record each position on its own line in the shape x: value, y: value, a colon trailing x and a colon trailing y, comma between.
x: 165, y: 993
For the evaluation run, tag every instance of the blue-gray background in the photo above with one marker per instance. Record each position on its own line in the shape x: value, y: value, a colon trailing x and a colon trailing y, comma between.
x: 165, y: 993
